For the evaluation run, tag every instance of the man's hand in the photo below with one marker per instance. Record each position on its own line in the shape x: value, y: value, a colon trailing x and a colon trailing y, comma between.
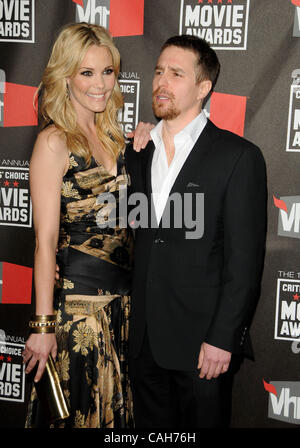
x: 212, y: 361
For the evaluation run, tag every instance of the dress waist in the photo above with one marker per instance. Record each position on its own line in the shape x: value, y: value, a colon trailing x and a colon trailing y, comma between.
x: 84, y: 274
x: 87, y: 305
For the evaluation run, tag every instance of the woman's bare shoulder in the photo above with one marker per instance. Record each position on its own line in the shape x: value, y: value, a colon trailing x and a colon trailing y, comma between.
x: 50, y: 150
x: 52, y: 139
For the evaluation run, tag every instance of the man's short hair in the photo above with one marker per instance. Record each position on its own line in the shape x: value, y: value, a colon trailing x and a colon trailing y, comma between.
x: 208, y: 65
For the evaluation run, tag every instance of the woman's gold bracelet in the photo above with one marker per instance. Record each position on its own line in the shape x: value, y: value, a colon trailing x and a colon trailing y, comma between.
x: 42, y: 330
x: 33, y: 324
x: 43, y: 323
x: 43, y: 317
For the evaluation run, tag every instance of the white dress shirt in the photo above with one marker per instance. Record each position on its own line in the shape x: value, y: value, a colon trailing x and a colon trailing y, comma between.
x: 163, y: 176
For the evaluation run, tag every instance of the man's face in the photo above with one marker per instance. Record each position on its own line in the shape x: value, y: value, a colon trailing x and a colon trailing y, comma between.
x: 175, y: 91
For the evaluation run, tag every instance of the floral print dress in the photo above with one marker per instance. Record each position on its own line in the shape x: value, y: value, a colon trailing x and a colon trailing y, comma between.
x: 92, y: 299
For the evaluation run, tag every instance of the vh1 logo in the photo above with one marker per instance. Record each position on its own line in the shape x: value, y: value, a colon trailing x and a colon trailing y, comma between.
x: 120, y: 17
x: 296, y: 30
x: 289, y: 216
x: 284, y: 401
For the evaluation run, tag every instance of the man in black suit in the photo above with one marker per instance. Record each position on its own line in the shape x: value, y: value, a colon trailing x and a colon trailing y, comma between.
x: 194, y: 290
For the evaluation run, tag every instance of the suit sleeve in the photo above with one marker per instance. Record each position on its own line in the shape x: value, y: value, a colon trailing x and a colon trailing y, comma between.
x: 245, y: 206
x: 129, y: 158
x: 134, y: 165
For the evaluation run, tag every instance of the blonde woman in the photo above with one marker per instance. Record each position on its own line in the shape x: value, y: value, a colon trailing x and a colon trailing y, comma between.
x: 77, y: 160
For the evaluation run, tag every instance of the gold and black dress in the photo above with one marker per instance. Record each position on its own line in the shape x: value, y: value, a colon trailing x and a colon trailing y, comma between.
x: 92, y: 300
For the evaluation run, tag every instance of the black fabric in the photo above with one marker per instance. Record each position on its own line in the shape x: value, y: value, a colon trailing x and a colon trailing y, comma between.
x: 165, y: 398
x: 77, y: 267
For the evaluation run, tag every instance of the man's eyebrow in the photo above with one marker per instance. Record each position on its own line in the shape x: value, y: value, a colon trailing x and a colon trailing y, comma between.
x: 177, y: 69
x: 173, y: 69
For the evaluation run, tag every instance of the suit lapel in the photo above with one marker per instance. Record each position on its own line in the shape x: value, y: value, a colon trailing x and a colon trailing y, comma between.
x: 193, y: 162
x: 148, y: 152
x: 148, y: 163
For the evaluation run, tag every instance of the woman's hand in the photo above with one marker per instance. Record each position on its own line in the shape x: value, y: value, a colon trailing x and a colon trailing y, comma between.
x: 37, y: 349
x: 141, y: 135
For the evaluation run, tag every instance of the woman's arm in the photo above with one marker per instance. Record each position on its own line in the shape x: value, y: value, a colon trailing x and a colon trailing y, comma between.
x: 47, y: 167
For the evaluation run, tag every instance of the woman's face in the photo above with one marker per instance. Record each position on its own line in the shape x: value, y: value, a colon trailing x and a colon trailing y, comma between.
x: 92, y: 85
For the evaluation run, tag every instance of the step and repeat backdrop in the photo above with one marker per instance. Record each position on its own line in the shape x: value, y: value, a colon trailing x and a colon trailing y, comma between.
x: 257, y: 96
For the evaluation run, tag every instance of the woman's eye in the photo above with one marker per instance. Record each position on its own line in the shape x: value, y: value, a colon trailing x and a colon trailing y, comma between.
x: 109, y: 71
x: 86, y: 73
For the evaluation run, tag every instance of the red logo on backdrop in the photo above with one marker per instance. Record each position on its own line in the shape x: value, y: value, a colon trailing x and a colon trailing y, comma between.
x: 228, y: 112
x: 279, y: 203
x: 15, y: 283
x: 270, y: 388
x: 296, y: 2
x: 121, y: 17
x: 126, y: 17
x: 18, y: 109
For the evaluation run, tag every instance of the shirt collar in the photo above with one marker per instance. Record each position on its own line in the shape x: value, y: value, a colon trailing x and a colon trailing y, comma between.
x: 191, y: 131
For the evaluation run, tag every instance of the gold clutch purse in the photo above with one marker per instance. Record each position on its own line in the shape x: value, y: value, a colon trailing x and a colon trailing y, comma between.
x: 50, y: 394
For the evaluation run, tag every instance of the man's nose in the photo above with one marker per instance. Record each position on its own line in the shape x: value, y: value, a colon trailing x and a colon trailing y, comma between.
x: 163, y: 80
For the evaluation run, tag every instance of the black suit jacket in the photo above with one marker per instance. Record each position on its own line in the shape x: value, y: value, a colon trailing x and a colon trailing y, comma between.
x: 186, y: 291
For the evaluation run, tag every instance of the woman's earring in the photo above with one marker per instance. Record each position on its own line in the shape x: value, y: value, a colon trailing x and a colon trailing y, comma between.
x: 67, y: 92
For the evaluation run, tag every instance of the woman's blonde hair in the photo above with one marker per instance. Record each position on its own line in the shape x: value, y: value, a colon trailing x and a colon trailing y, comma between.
x: 67, y: 54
